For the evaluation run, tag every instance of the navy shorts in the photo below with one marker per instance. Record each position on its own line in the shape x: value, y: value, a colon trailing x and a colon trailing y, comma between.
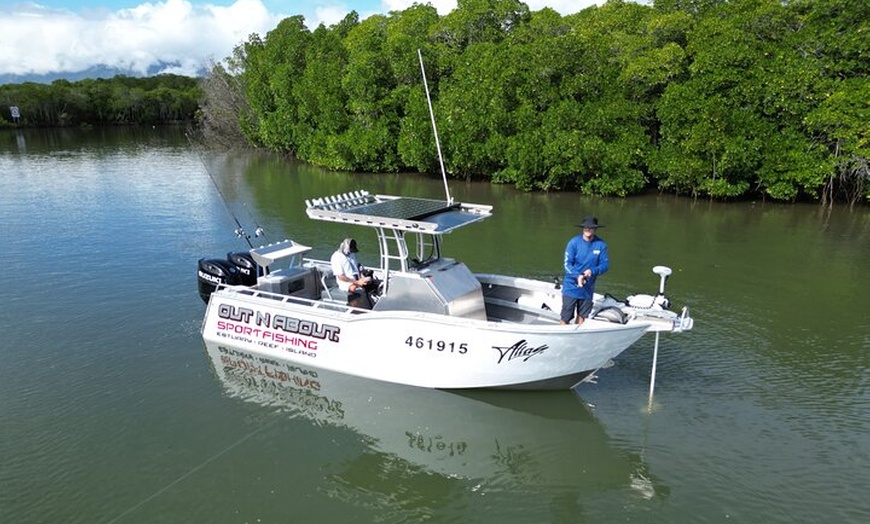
x: 583, y: 306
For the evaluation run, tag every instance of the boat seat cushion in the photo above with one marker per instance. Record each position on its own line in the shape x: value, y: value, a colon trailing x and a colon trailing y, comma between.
x: 330, y: 286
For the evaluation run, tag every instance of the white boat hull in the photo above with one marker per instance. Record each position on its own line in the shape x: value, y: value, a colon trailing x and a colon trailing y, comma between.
x: 419, y: 349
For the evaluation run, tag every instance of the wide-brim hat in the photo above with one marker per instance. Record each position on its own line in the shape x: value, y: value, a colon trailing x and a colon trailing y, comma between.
x: 590, y: 222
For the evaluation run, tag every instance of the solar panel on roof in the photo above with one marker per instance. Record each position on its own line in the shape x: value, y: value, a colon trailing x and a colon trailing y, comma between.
x: 403, y: 208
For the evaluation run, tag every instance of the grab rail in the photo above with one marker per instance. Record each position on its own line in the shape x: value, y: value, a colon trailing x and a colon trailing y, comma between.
x: 332, y: 306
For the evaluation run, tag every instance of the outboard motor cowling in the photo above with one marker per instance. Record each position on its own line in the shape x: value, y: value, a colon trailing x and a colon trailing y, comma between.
x: 244, y: 262
x: 213, y: 272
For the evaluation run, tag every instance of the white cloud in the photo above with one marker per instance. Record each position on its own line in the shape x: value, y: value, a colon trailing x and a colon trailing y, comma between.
x: 563, y: 7
x: 40, y: 40
x: 329, y: 15
x: 442, y: 6
x: 37, y: 40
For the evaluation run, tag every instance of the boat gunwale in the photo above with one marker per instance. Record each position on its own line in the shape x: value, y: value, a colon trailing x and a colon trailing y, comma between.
x: 353, y: 314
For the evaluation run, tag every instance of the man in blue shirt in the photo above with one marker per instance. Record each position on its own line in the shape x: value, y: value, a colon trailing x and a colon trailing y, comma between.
x: 585, y: 259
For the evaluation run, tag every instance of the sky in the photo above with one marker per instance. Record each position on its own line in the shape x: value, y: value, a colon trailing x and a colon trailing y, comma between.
x: 41, y: 37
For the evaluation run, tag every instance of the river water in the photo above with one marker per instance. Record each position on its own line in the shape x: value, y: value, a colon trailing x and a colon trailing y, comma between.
x: 113, y: 410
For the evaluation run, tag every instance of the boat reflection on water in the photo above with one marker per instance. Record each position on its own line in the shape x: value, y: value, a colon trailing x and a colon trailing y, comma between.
x: 495, y: 438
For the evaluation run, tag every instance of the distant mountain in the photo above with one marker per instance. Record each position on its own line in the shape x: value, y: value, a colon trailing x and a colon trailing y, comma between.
x: 94, y: 72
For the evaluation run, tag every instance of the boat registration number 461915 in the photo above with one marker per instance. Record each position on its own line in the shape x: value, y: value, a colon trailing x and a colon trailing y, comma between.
x: 437, y: 345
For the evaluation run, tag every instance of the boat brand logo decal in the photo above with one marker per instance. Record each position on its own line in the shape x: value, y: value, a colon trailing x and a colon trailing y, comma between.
x: 519, y: 350
x: 211, y: 278
x: 272, y: 330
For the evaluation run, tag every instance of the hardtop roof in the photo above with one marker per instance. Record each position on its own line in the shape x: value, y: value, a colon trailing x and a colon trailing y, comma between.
x: 422, y: 215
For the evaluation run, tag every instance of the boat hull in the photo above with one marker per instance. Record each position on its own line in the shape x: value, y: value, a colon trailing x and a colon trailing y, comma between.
x: 419, y: 349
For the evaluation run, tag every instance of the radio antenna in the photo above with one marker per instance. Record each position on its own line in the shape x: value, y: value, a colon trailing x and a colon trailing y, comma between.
x: 434, y: 128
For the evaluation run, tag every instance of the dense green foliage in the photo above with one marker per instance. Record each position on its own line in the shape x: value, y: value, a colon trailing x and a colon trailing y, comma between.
x: 120, y: 100
x: 702, y: 97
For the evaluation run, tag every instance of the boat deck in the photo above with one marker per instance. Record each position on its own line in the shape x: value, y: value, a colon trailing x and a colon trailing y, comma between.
x: 317, y: 289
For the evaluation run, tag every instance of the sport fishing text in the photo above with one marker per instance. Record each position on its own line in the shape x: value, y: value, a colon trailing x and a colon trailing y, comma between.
x: 281, y: 323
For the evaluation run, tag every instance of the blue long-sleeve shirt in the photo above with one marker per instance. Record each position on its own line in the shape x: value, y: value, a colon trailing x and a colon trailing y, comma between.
x: 581, y: 255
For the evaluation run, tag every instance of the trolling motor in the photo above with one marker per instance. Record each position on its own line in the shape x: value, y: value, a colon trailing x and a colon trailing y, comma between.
x: 653, y: 301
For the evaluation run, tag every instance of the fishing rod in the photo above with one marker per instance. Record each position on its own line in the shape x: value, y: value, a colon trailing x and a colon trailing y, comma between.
x: 258, y: 230
x: 434, y: 128
x: 240, y: 231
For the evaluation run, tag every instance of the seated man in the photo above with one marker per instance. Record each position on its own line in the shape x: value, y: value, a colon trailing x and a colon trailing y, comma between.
x: 347, y: 271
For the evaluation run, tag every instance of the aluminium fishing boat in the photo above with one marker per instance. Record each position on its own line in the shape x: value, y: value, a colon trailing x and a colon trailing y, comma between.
x: 433, y: 324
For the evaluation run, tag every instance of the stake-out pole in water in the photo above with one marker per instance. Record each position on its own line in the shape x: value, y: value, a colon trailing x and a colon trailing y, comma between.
x: 652, y: 377
x: 434, y: 128
x: 663, y: 272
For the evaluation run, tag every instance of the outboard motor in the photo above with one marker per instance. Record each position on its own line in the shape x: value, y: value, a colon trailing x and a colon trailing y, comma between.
x: 213, y: 272
x: 244, y: 262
